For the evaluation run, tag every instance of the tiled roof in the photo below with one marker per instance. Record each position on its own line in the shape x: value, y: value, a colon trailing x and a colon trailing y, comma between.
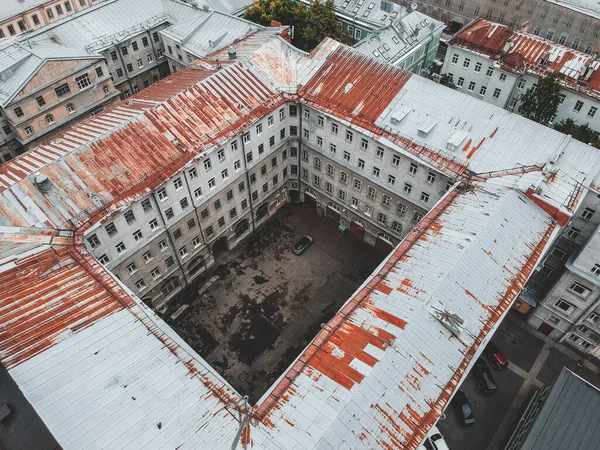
x: 380, y: 373
x: 521, y: 52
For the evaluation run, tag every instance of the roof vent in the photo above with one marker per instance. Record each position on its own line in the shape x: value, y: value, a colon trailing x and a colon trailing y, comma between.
x: 205, y: 7
x: 43, y: 183
x: 231, y: 52
x: 451, y: 321
x: 427, y: 126
x: 386, y: 6
x: 456, y: 139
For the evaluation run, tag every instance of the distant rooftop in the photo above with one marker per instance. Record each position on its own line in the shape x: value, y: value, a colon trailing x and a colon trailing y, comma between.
x: 569, y: 418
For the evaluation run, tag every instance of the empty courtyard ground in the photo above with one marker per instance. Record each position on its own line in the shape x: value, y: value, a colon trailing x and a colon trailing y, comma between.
x: 266, y: 303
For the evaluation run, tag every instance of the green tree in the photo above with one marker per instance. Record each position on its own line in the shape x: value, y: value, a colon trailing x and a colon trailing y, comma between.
x: 540, y: 102
x: 446, y: 80
x: 582, y: 133
x: 311, y: 23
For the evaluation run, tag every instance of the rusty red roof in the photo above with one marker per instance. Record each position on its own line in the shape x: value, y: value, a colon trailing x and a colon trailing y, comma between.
x: 521, y: 52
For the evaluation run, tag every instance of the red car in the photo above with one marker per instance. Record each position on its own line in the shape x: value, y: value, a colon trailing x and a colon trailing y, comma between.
x: 495, y: 356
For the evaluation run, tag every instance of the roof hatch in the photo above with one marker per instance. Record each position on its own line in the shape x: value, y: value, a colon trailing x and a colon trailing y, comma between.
x: 427, y: 126
x: 456, y: 139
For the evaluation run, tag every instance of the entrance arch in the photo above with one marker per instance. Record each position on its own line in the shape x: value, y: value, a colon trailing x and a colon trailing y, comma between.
x: 357, y: 228
x: 220, y: 250
x: 310, y: 198
x: 241, y: 227
x: 262, y: 211
x: 383, y: 243
x: 333, y: 212
x: 196, y: 264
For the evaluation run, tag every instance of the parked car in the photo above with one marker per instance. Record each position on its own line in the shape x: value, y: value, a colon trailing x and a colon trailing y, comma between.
x: 435, y: 441
x: 303, y: 244
x: 495, y: 356
x: 483, y: 376
x: 463, y: 408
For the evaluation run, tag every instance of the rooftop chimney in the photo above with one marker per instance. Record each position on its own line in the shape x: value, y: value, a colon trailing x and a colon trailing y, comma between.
x: 231, y: 52
x: 43, y: 183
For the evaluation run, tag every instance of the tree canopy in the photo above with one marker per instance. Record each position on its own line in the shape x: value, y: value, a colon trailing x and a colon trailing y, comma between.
x: 311, y: 23
x: 582, y: 133
x: 540, y: 102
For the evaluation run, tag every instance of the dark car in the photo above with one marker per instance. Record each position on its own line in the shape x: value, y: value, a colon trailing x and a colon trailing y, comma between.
x: 463, y: 408
x: 303, y: 244
x: 483, y: 376
x: 495, y: 356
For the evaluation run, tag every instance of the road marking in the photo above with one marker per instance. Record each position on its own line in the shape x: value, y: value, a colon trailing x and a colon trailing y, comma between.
x: 516, y: 369
x: 530, y: 379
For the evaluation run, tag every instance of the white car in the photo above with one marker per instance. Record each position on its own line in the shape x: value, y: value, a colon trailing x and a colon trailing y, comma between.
x: 434, y: 441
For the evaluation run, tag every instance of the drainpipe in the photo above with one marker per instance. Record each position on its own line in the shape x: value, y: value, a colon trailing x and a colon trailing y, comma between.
x: 248, y: 188
x: 189, y: 189
x: 300, y: 131
x: 172, y: 242
x: 123, y: 66
x: 512, y: 92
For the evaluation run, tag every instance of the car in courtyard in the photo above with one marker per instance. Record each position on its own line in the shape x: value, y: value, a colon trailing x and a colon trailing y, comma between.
x: 483, y: 376
x: 495, y: 356
x: 461, y: 404
x: 303, y: 243
x: 435, y: 441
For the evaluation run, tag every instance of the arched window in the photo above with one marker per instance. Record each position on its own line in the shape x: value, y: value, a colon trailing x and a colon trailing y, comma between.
x: 171, y: 284
x: 262, y: 211
x: 241, y: 227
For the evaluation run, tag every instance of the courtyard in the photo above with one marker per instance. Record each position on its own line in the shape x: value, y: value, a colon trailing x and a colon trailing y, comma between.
x: 252, y: 315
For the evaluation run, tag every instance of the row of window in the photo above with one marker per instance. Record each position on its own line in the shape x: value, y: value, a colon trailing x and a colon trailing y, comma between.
x: 472, y: 85
x: 579, y: 105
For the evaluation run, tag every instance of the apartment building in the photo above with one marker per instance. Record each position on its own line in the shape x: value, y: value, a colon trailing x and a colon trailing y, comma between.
x: 155, y: 187
x: 18, y: 16
x: 410, y: 42
x: 129, y: 55
x: 496, y: 64
x: 570, y: 22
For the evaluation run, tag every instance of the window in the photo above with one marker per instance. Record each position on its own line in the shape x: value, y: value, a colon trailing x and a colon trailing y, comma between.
x: 232, y: 213
x: 361, y: 164
x: 496, y: 93
x: 241, y: 186
x: 330, y: 169
x: 129, y: 217
x: 579, y: 289
x: 489, y: 72
x: 83, y: 81
x: 346, y: 156
x: 417, y: 216
x: 413, y: 169
x: 407, y: 188
x: 162, y: 245
x: 221, y: 221
x: 244, y: 204
x: 349, y: 136
x: 343, y: 177
x: 329, y: 187
x: 395, y: 160
x: 111, y: 229
x: 140, y: 63
x: 182, y: 251
x: 471, y: 86
x: 50, y: 13
x: 271, y: 142
x: 372, y: 193
x: 36, y: 20
x: 466, y: 63
x: 103, y: 260
x: 334, y: 128
x: 501, y: 18
x: 159, y: 53
x: 396, y: 227
x: 129, y: 68
x: 594, y: 318
x: 401, y: 209
x: 184, y: 203
x: 217, y: 204
x: 382, y: 218
x: 93, y: 241
x: 578, y: 106
x: 319, y: 141
x: 573, y: 232
x: 263, y: 169
x: 234, y: 146
x: 212, y: 183
x: 282, y: 133
x: 478, y: 67
x: 376, y: 172
x: 460, y: 81
x: 560, y: 254
x: 119, y: 72
x: 592, y: 111
x: 596, y: 269
x: 169, y: 262
x: 131, y: 269
x: 564, y: 306
x: 354, y: 202
x: 140, y: 285
x: 357, y: 184
x: 424, y: 197
x: 305, y: 132
x: 40, y: 101
x: 204, y: 214
x: 70, y: 108
x: 28, y: 131
x: 431, y: 177
x: 120, y: 248
x: 454, y: 58
x: 385, y: 200
x: 281, y: 114
x: 18, y: 111
x: 153, y: 224
x: 270, y: 121
x: 320, y: 121
x: 587, y: 213
x: 482, y: 90
x: 224, y: 174
x: 169, y: 214
x: 49, y: 119
x: 162, y: 194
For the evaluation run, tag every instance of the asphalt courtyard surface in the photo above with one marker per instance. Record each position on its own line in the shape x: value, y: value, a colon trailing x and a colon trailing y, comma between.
x: 534, y: 360
x: 267, y: 303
